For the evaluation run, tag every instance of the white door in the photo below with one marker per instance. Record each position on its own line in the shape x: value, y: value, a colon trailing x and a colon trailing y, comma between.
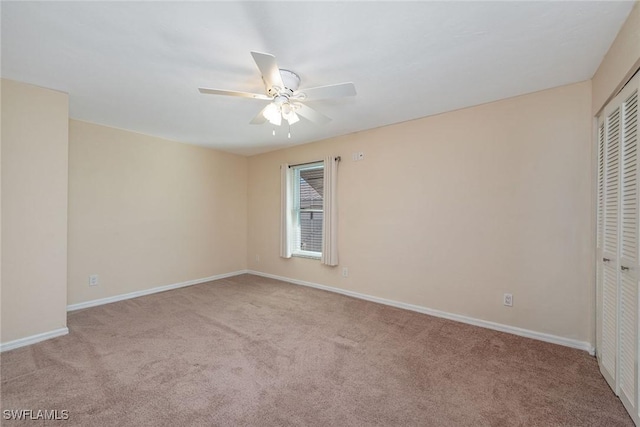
x: 618, y: 245
x: 629, y: 268
x: 610, y: 238
x: 599, y: 237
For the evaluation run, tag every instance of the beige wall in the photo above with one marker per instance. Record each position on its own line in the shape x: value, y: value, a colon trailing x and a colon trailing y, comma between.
x: 146, y: 212
x: 34, y: 210
x: 451, y: 211
x: 620, y: 62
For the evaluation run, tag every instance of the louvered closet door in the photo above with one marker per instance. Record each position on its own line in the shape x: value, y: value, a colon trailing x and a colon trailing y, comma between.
x: 618, y: 245
x: 609, y: 349
x: 628, y: 289
x: 599, y: 236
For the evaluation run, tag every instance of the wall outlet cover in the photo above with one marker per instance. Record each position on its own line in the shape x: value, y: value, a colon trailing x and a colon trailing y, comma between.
x: 508, y: 300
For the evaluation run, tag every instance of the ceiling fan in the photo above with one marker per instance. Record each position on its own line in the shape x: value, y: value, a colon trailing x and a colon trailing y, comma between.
x: 282, y: 90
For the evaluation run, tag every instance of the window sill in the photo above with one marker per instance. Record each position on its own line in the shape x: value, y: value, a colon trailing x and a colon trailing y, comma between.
x: 309, y: 255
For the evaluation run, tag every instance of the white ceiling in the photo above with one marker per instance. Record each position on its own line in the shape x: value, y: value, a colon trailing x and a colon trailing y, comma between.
x: 137, y: 65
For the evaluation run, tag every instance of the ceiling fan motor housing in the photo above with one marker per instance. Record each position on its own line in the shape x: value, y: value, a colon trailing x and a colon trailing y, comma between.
x: 291, y: 83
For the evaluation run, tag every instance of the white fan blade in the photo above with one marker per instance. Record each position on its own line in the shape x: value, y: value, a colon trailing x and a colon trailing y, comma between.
x: 269, y: 69
x: 233, y: 93
x: 331, y: 91
x: 260, y: 118
x: 312, y: 115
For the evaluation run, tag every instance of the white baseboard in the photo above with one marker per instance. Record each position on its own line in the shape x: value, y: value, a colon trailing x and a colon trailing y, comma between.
x: 121, y: 297
x: 567, y: 342
x: 10, y: 345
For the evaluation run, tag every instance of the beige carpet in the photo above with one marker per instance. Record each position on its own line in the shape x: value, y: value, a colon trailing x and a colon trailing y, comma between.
x: 250, y: 351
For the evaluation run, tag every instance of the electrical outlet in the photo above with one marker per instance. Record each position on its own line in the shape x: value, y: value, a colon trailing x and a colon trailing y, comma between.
x: 93, y: 280
x: 345, y: 272
x: 360, y: 155
x: 257, y: 258
x: 508, y: 300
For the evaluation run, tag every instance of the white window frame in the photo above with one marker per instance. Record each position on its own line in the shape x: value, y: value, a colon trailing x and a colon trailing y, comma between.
x: 295, y: 211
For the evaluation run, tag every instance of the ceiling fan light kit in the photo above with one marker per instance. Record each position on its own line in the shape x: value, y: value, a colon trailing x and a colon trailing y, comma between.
x: 272, y: 113
x: 281, y: 88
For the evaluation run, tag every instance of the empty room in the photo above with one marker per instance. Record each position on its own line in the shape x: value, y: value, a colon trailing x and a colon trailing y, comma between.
x: 320, y: 213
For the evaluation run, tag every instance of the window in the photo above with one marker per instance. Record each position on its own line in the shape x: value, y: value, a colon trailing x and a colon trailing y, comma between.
x: 308, y: 203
